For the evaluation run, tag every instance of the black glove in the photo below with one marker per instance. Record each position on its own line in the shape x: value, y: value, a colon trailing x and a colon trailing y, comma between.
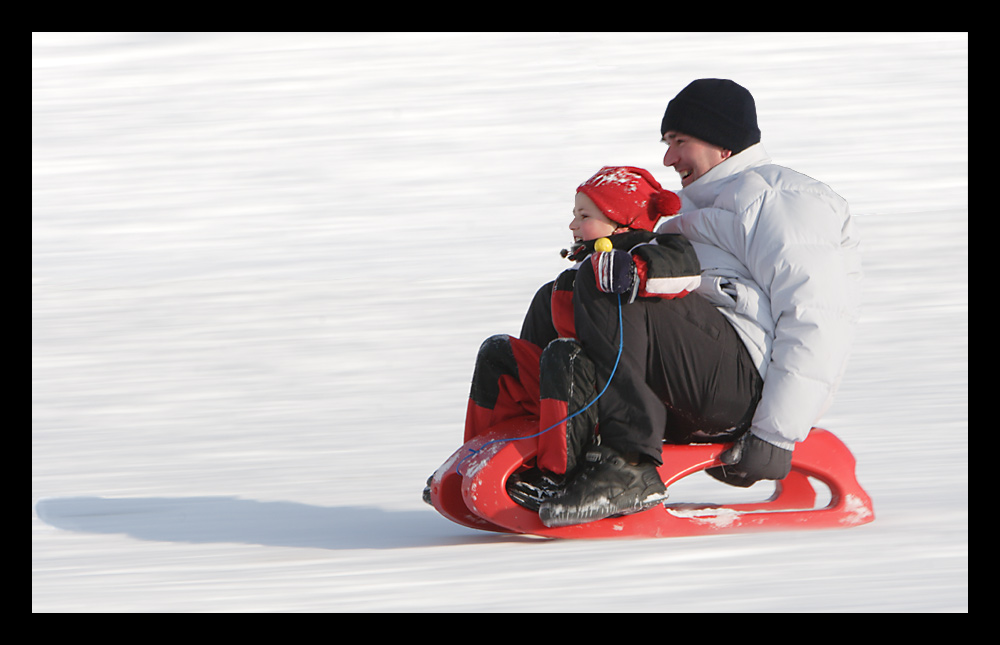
x: 614, y: 271
x: 750, y: 460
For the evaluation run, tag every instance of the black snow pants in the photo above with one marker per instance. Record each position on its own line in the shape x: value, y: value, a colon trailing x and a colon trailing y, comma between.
x: 684, y: 375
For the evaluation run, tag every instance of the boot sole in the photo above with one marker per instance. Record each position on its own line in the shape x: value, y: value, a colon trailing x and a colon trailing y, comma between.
x: 553, y: 514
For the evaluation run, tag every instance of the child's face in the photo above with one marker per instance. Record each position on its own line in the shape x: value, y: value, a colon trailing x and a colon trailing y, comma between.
x: 589, y: 223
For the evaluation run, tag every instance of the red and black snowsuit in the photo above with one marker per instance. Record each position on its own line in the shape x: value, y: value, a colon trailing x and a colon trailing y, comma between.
x: 684, y: 375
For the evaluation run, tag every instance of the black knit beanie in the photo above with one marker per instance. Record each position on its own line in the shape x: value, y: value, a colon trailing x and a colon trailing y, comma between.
x: 714, y: 110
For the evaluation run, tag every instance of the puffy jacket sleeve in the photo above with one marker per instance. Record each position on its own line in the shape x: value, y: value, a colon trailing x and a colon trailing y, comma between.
x: 800, y: 246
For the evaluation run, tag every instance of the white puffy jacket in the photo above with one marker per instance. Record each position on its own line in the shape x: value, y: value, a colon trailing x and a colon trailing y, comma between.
x: 780, y: 259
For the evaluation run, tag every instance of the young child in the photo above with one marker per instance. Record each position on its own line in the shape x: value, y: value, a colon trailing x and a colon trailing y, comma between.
x: 545, y: 373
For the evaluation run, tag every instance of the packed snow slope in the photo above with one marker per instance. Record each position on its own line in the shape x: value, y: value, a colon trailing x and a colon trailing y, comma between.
x: 262, y: 266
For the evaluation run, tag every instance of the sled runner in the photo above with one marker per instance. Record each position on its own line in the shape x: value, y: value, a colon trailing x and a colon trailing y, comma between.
x: 469, y: 489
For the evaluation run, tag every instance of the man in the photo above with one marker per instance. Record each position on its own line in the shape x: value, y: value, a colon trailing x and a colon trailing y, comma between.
x: 780, y: 265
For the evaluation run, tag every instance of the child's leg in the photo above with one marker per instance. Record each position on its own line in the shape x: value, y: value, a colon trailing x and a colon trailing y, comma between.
x: 504, y: 383
x: 568, y: 385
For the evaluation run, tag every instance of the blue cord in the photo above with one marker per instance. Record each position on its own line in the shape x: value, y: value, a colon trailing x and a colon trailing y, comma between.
x: 621, y: 345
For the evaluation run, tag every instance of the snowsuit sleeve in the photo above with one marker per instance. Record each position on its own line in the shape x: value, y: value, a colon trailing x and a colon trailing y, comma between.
x: 667, y: 267
x: 537, y: 327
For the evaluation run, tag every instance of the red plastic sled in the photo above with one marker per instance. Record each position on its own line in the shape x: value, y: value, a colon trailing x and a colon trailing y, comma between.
x: 469, y: 489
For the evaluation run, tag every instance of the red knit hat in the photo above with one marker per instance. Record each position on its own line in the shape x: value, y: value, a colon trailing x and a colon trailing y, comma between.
x: 630, y: 196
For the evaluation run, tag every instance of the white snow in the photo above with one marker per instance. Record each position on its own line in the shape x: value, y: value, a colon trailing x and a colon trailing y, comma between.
x: 858, y: 509
x: 262, y: 265
x: 721, y: 517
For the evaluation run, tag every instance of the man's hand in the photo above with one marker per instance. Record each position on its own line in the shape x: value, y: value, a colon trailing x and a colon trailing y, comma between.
x: 750, y: 460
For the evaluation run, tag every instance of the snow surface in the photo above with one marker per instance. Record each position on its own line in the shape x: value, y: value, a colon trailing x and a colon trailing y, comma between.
x: 262, y: 266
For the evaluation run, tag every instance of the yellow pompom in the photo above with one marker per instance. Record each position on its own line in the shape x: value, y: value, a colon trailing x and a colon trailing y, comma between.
x: 603, y: 245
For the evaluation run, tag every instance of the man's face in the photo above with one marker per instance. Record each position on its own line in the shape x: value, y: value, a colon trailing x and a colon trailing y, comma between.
x: 691, y: 157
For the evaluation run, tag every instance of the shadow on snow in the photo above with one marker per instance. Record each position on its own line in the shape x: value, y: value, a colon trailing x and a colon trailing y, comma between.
x: 202, y: 520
